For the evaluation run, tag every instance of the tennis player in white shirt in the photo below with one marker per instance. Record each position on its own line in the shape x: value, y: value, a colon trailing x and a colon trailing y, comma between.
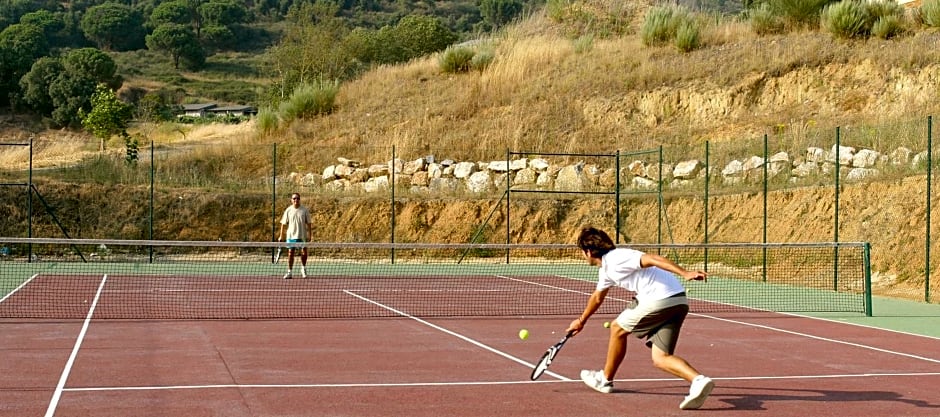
x: 658, y: 315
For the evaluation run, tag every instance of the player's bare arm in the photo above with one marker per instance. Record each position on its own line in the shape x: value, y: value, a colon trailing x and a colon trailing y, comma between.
x: 649, y: 259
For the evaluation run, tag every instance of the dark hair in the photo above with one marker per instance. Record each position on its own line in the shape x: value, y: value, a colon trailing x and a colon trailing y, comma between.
x: 595, y: 241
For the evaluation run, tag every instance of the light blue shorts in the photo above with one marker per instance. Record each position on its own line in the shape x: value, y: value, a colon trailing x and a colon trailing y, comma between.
x: 294, y: 244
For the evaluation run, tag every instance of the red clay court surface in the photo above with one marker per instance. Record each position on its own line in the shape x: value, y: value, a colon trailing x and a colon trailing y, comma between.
x: 763, y: 364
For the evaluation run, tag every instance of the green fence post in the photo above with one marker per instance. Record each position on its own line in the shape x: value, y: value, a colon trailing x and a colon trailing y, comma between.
x: 764, y: 270
x: 929, y: 191
x: 708, y: 174
x: 835, y: 265
x: 867, y: 272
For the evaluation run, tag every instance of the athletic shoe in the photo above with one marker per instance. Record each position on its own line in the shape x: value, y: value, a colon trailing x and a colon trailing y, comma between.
x: 287, y: 276
x: 698, y: 392
x: 303, y: 272
x: 597, y: 380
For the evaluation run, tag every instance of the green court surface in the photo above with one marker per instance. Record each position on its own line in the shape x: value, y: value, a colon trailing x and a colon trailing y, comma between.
x: 894, y: 314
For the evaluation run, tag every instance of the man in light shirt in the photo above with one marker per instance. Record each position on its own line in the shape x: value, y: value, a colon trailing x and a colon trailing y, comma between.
x: 661, y: 308
x: 296, y: 229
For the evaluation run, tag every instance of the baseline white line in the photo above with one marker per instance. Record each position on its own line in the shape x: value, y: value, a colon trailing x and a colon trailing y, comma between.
x: 826, y: 339
x: 478, y: 383
x: 18, y: 288
x: 78, y: 343
x: 457, y: 335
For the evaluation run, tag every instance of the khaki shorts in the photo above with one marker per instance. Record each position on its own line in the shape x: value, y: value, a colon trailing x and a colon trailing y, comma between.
x: 657, y: 321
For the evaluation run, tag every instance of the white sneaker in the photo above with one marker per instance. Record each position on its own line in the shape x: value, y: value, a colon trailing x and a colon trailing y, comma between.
x: 287, y: 275
x: 303, y: 272
x: 698, y: 392
x: 597, y: 380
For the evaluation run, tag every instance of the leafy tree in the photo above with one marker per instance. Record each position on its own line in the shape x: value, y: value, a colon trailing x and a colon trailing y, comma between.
x: 183, y: 12
x: 422, y: 35
x: 114, y: 27
x: 35, y: 84
x: 310, y: 50
x: 20, y: 46
x: 108, y: 116
x: 176, y: 40
x: 68, y: 83
x: 169, y: 12
x: 155, y: 107
x: 497, y: 13
x: 223, y: 13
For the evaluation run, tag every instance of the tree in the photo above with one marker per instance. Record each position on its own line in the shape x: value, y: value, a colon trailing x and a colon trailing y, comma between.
x: 35, y: 84
x: 62, y: 88
x: 422, y: 35
x: 311, y: 48
x: 114, y: 27
x: 20, y: 46
x: 176, y: 40
x: 497, y: 13
x: 108, y: 116
x: 169, y: 12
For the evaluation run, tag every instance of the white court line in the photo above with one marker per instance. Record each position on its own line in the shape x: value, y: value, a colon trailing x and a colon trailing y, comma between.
x: 457, y: 335
x: 18, y: 288
x: 478, y: 383
x: 826, y: 339
x: 78, y: 343
x: 769, y: 327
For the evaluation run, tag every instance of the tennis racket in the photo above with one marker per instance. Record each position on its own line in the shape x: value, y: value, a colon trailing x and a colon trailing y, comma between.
x: 277, y: 255
x: 549, y: 355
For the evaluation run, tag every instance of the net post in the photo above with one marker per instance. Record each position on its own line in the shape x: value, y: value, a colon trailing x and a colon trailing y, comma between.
x: 867, y: 265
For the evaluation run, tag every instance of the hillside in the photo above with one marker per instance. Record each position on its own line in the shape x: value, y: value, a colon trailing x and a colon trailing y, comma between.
x: 547, y: 92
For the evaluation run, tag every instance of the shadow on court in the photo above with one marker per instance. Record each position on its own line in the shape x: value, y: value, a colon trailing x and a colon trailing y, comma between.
x: 836, y: 398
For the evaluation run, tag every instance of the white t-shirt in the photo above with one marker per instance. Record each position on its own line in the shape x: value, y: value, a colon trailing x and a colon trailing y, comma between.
x: 296, y: 220
x: 621, y: 267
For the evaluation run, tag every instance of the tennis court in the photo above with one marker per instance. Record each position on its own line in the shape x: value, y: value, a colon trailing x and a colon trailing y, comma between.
x: 184, y: 333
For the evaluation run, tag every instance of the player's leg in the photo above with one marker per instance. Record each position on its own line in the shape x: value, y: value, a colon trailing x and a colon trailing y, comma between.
x: 303, y: 262
x: 616, y: 350
x: 290, y: 258
x: 663, y: 341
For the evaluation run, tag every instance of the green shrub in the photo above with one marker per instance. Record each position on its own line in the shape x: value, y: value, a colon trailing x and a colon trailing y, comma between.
x: 929, y: 13
x: 763, y: 20
x: 882, y: 8
x: 266, y: 121
x: 663, y: 24
x: 658, y: 27
x: 456, y: 59
x: 687, y: 36
x: 847, y: 19
x: 799, y: 12
x: 583, y: 44
x: 309, y: 100
x: 482, y: 59
x: 887, y: 27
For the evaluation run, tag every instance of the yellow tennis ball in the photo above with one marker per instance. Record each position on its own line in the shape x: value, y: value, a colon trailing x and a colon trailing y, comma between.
x: 607, y: 324
x: 523, y: 334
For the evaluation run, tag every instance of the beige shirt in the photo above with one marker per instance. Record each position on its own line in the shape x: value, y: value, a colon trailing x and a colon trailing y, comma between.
x: 297, y: 221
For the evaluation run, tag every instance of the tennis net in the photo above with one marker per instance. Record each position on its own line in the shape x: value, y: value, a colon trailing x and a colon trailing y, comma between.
x: 167, y: 280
